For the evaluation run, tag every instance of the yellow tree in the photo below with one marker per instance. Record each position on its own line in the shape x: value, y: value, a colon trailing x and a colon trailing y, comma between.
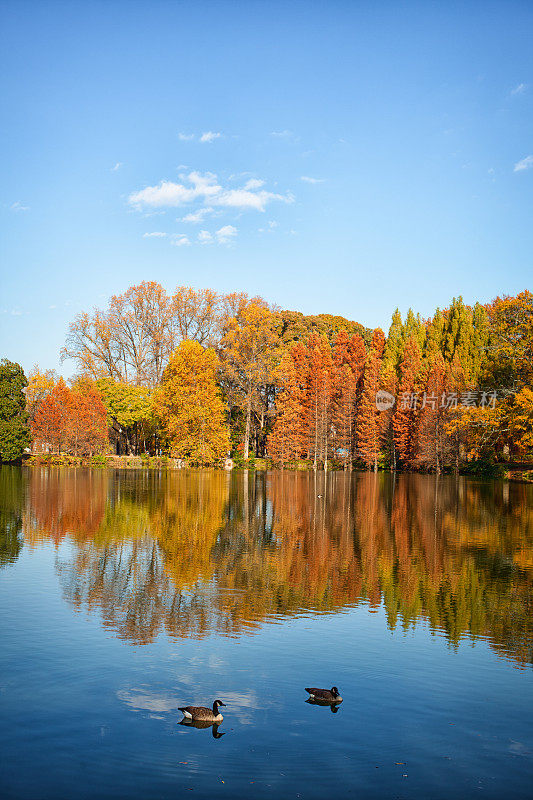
x: 190, y: 407
x: 249, y: 351
x: 40, y: 384
x: 521, y: 420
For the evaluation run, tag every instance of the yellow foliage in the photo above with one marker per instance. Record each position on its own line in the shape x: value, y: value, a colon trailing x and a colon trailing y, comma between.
x: 190, y: 407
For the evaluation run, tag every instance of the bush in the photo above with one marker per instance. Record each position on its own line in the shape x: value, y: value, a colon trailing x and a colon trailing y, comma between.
x: 484, y: 467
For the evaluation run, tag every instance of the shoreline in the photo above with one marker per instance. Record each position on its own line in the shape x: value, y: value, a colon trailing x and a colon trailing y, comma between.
x: 516, y: 474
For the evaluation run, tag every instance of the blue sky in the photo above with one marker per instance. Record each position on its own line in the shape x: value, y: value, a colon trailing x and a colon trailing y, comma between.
x: 339, y: 157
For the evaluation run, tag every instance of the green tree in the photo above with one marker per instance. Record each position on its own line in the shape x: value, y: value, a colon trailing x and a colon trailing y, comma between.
x: 129, y: 410
x: 12, y: 486
x: 14, y: 432
x: 394, y: 344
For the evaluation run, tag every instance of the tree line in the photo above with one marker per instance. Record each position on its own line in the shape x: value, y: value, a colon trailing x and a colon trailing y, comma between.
x: 201, y: 376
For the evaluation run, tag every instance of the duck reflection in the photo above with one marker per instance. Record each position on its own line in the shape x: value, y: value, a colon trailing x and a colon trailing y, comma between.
x: 202, y: 725
x: 333, y: 707
x: 196, y: 552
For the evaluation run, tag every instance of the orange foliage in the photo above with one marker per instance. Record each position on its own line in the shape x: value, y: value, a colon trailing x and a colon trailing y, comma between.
x: 71, y: 420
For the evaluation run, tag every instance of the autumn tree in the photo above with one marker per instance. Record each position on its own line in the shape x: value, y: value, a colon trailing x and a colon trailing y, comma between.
x: 286, y: 439
x: 430, y: 451
x: 510, y: 348
x: 368, y: 428
x: 520, y: 415
x: 405, y: 414
x: 319, y: 393
x: 345, y: 387
x: 130, y: 413
x: 71, y: 420
x: 132, y: 340
x: 49, y: 424
x: 190, y: 407
x: 86, y: 421
x: 249, y: 352
x: 40, y: 383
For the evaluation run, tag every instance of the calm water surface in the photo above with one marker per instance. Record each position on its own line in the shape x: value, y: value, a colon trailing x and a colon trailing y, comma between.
x: 127, y: 594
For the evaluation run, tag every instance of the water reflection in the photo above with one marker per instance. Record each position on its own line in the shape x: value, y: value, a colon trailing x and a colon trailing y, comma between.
x: 196, y: 552
x: 11, y: 507
x: 333, y: 707
x: 203, y: 725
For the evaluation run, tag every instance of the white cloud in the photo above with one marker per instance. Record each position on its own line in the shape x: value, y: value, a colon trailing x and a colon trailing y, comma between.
x: 520, y: 89
x: 154, y: 235
x: 272, y: 225
x: 148, y: 700
x: 197, y: 216
x: 206, y: 189
x: 52, y: 306
x: 246, y: 198
x: 180, y: 240
x: 209, y: 136
x: 165, y: 194
x: 117, y: 166
x: 525, y: 163
x: 18, y: 206
x: 185, y: 137
x: 226, y: 234
x: 254, y: 183
x: 307, y: 179
x: 282, y: 134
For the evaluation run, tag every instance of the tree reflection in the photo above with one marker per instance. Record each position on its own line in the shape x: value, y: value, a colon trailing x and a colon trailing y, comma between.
x: 11, y: 505
x: 195, y: 552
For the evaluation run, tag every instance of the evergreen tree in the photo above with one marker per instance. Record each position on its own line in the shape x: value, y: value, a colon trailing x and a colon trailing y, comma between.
x: 434, y: 336
x: 394, y: 344
x: 14, y: 432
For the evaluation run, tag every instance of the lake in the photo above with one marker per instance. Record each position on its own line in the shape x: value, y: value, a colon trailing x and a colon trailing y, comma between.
x: 126, y: 594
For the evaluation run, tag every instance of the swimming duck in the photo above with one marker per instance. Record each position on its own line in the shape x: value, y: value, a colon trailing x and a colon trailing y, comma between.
x: 203, y: 714
x: 329, y: 695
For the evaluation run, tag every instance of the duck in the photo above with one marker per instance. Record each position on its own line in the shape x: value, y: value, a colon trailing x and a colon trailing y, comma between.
x: 203, y: 714
x: 328, y: 695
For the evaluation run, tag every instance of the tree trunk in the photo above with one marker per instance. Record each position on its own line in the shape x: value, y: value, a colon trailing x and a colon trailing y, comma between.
x: 247, y: 429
